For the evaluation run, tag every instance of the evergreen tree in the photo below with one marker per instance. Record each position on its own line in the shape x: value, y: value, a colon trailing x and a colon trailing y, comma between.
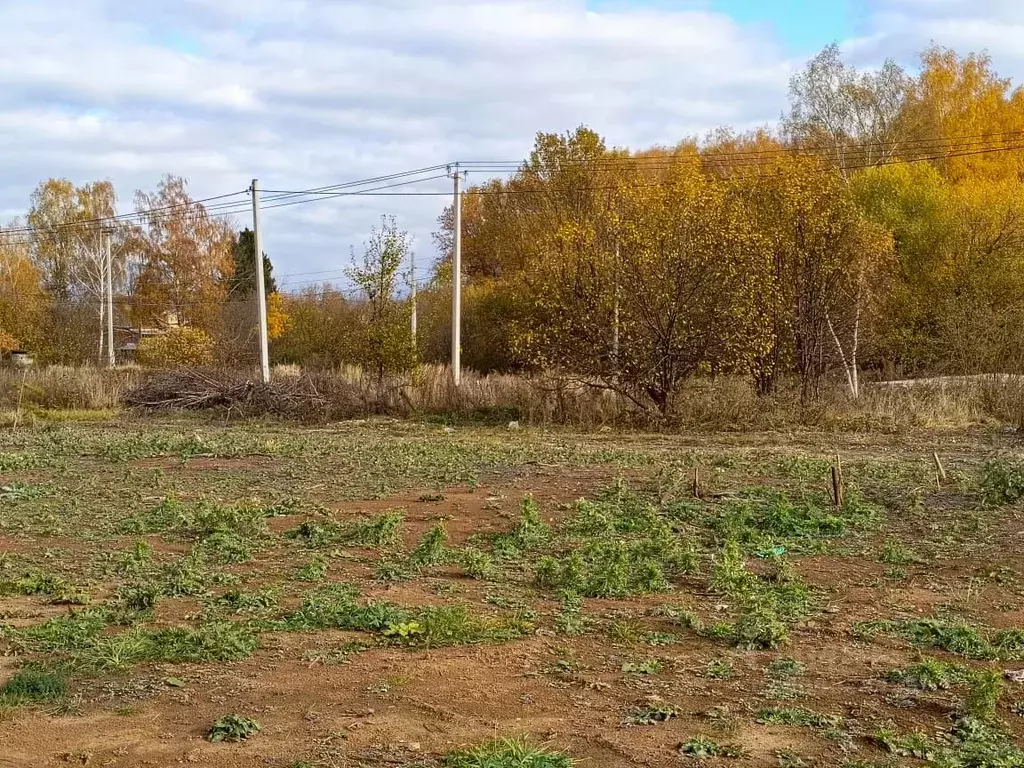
x: 243, y: 281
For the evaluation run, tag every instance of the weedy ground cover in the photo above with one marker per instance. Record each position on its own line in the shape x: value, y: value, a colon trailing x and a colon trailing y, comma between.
x: 393, y: 593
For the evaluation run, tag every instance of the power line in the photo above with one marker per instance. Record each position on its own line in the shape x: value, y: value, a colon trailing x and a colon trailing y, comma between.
x: 224, y: 208
x: 929, y: 144
x: 125, y: 217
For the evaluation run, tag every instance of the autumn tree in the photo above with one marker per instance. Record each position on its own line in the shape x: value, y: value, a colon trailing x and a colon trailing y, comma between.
x: 23, y: 302
x: 71, y: 226
x: 385, y: 343
x: 186, y: 258
x: 679, y: 282
x: 959, y: 106
x: 324, y: 329
x: 852, y: 118
x: 824, y: 256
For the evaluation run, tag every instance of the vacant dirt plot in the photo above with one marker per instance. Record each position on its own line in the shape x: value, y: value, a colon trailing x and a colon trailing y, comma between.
x: 400, y: 594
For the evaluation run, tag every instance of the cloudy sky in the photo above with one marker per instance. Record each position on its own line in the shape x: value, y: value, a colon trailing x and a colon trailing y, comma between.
x: 306, y: 93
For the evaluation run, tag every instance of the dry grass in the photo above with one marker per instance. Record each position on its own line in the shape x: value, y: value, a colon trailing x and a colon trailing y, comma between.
x: 727, y: 403
x: 66, y: 388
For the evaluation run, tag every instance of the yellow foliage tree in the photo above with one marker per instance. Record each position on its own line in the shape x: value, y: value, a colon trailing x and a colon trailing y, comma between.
x: 179, y: 347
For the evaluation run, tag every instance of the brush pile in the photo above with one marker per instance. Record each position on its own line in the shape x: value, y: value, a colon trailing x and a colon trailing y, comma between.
x: 236, y: 394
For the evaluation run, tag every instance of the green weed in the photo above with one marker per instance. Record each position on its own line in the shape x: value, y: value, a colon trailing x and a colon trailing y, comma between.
x: 32, y: 686
x: 784, y: 668
x: 249, y: 602
x: 798, y: 716
x: 509, y: 753
x: 719, y: 669
x: 137, y: 557
x: 529, y: 533
x: 186, y: 576
x: 226, y: 547
x: 389, y: 569
x: 986, y: 689
x: 701, y: 746
x: 432, y: 548
x: 570, y: 619
x: 645, y: 667
x: 930, y: 675
x: 1002, y: 482
x: 139, y: 597
x: 955, y: 637
x: 972, y: 743
x: 607, y: 569
x: 653, y: 712
x: 380, y: 531
x: 315, y: 534
x: 314, y: 570
x: 476, y: 564
x: 233, y: 728
x: 894, y: 553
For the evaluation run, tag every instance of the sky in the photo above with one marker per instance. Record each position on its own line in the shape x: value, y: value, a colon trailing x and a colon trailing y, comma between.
x: 309, y: 93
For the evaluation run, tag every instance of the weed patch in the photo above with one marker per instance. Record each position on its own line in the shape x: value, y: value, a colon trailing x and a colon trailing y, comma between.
x: 1002, y: 482
x: 509, y: 753
x: 930, y: 675
x: 233, y: 728
x: 32, y: 686
x: 955, y: 637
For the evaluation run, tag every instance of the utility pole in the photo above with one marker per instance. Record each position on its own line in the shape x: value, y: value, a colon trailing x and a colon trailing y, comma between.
x: 261, y: 288
x: 457, y: 284
x: 109, y: 285
x: 412, y: 289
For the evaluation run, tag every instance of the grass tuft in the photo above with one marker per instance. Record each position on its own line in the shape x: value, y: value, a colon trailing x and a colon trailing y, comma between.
x: 507, y: 753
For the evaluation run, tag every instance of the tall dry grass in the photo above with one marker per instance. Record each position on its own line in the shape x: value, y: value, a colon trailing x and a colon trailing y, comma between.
x: 66, y: 387
x: 725, y: 403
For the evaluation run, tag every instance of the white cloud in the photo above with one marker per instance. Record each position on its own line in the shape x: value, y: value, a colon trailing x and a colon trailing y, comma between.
x: 302, y: 94
x: 903, y: 28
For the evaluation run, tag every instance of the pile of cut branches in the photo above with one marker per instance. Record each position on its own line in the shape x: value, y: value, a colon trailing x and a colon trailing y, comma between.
x: 238, y: 395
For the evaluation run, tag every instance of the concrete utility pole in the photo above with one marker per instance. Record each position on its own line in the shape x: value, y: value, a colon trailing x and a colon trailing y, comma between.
x: 412, y: 288
x: 108, y: 264
x: 261, y: 287
x: 457, y: 284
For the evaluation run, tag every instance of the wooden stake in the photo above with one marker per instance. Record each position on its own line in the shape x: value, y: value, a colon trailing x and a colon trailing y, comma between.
x: 696, y: 482
x: 941, y: 470
x: 837, y: 486
x: 21, y: 395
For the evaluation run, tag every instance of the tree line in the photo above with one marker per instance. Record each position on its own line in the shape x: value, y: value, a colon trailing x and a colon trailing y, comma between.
x: 877, y: 230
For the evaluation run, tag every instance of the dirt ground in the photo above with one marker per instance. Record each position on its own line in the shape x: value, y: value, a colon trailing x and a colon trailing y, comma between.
x: 339, y: 697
